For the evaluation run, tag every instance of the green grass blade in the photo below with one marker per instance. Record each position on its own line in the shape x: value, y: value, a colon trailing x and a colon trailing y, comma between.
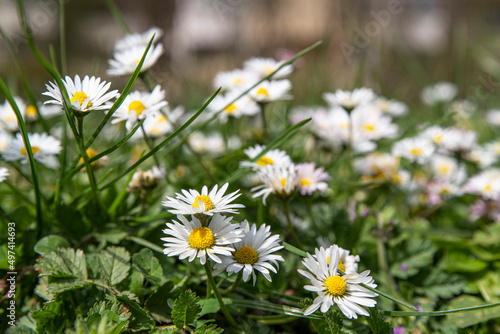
x: 164, y: 142
x: 117, y: 15
x: 29, y: 151
x: 437, y: 313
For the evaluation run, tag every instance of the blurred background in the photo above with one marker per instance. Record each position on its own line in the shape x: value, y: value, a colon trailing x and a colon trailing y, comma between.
x: 395, y: 47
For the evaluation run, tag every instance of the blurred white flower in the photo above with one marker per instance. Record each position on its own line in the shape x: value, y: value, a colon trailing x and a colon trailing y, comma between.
x: 391, y: 107
x: 417, y: 150
x: 4, y: 173
x: 369, y: 124
x: 43, y: 146
x: 264, y: 66
x: 268, y: 91
x: 142, y: 40
x: 493, y: 117
x: 138, y: 105
x: 350, y: 100
x: 125, y: 62
x: 486, y: 184
x: 8, y: 118
x: 274, y: 157
x: 244, y: 106
x: 310, y: 178
x: 441, y: 92
x: 239, y: 80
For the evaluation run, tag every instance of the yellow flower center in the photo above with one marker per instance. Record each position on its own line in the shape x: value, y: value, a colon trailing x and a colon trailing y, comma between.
x: 262, y: 91
x: 335, y: 285
x: 230, y: 108
x: 341, y: 265
x: 209, y: 205
x: 245, y: 255
x: 283, y: 182
x: 416, y: 151
x: 444, y: 169
x: 201, y: 238
x: 264, y: 161
x: 237, y: 81
x: 34, y: 149
x: 486, y: 188
x: 438, y: 139
x: 80, y: 97
x: 137, y: 106
x: 268, y: 70
x: 90, y: 153
x: 305, y: 182
x: 31, y: 111
x: 369, y: 127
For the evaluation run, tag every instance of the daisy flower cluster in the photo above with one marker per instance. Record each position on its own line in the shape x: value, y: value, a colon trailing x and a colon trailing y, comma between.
x: 278, y: 175
x: 235, y: 82
x: 235, y: 248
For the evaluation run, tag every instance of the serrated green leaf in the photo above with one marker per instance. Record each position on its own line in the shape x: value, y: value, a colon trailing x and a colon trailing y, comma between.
x: 140, y: 319
x: 377, y: 323
x: 59, y: 285
x: 186, y: 309
x: 441, y: 285
x: 115, y: 312
x: 148, y: 265
x: 115, y: 264
x: 64, y: 262
x: 411, y: 256
x: 50, y: 319
x: 209, y: 329
x: 20, y: 330
x: 330, y: 322
x: 50, y: 244
x: 462, y: 262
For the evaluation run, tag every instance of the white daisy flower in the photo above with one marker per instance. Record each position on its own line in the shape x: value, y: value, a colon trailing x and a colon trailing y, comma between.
x: 444, y: 167
x: 493, y: 117
x: 142, y: 40
x: 348, y: 263
x: 268, y: 91
x: 264, y: 66
x: 486, y: 184
x: 333, y: 288
x: 158, y: 124
x: 238, y: 79
x: 43, y: 146
x: 274, y: 157
x: 280, y: 180
x: 417, y: 150
x: 332, y: 126
x: 445, y: 139
x: 48, y: 111
x: 5, y: 139
x: 213, y: 142
x: 125, y: 62
x: 441, y: 92
x: 350, y: 100
x: 463, y: 108
x: 8, y: 118
x: 244, y: 106
x: 138, y: 105
x: 481, y: 156
x: 252, y: 253
x: 493, y: 147
x: 85, y: 95
x: 189, y: 239
x: 391, y: 107
x: 377, y: 166
x: 310, y: 178
x: 192, y: 202
x: 370, y: 124
x: 4, y: 173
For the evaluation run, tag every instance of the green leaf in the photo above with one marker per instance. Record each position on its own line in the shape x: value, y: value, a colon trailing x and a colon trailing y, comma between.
x: 115, y: 264
x: 441, y: 285
x: 157, y: 304
x: 114, y: 311
x: 51, y: 319
x: 64, y: 262
x: 186, y: 309
x: 20, y: 330
x: 330, y: 322
x: 148, y: 265
x: 471, y: 318
x: 140, y: 319
x: 411, y: 256
x: 377, y: 323
x: 50, y: 243
x: 209, y: 329
x: 462, y: 262
x: 209, y: 306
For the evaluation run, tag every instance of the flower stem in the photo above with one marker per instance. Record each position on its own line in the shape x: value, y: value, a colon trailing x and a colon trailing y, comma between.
x: 236, y: 282
x: 85, y: 157
x: 286, y: 210
x: 150, y: 146
x: 223, y: 308
x: 262, y: 106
